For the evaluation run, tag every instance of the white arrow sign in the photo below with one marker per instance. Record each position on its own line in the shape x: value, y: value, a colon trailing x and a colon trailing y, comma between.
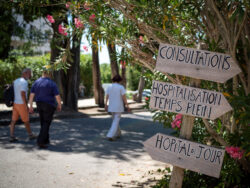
x: 188, y: 100
x: 185, y: 154
x: 196, y: 63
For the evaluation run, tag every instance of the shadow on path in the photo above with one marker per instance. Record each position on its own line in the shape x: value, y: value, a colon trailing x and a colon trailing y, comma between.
x: 88, y: 135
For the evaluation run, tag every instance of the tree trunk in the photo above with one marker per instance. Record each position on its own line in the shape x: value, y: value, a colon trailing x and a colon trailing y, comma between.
x: 140, y: 87
x: 124, y: 79
x: 55, y: 52
x: 113, y: 60
x: 98, y: 90
x: 71, y: 79
x: 123, y: 71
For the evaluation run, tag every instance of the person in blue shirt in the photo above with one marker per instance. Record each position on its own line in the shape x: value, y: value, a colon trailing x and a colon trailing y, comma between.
x: 47, y: 97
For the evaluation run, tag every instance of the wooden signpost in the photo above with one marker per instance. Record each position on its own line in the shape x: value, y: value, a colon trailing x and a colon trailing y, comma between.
x: 188, y: 100
x: 199, y: 64
x: 185, y: 154
x: 193, y: 102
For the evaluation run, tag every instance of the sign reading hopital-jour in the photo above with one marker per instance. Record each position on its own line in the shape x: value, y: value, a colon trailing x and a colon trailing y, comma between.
x: 200, y: 64
x: 188, y: 100
x: 185, y: 154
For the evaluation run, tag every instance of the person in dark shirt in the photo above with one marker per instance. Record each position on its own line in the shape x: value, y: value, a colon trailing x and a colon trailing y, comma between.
x: 46, y: 94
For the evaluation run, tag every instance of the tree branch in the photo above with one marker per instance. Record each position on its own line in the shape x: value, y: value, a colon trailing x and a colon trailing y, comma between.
x: 222, y: 22
x: 214, y: 134
x: 239, y: 32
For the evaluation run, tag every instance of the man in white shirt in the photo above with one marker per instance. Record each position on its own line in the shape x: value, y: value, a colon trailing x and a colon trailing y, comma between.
x: 20, y: 107
x: 116, y: 95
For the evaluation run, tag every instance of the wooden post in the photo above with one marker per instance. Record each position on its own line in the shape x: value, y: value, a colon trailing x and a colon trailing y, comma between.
x: 186, y: 133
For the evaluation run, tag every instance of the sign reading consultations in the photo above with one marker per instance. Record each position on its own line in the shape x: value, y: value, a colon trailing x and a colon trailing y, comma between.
x: 188, y: 100
x: 200, y: 64
x: 185, y: 154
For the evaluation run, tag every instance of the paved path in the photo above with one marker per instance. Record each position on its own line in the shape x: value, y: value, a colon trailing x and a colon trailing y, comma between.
x: 82, y: 103
x: 80, y: 156
x: 87, y: 108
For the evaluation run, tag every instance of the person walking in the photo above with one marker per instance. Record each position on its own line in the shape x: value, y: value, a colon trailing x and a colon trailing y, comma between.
x: 20, y: 106
x: 116, y: 95
x: 46, y: 94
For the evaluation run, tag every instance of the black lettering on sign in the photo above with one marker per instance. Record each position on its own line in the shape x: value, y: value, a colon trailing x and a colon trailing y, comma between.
x: 182, y: 58
x: 164, y: 146
x: 207, y: 154
x: 225, y: 65
x: 154, y: 87
x: 212, y: 159
x: 161, y: 103
x: 160, y: 88
x: 163, y: 57
x: 156, y: 99
x: 173, y: 141
x: 158, y: 140
x: 179, y: 54
x: 199, y: 153
x: 186, y: 100
x: 183, y: 148
x: 219, y: 154
x: 188, y: 150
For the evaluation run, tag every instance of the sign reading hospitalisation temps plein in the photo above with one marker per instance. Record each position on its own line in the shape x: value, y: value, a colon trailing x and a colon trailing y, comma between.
x: 199, y: 64
x: 188, y: 100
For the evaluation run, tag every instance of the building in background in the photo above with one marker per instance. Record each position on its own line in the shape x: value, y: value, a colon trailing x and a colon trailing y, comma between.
x: 33, y: 37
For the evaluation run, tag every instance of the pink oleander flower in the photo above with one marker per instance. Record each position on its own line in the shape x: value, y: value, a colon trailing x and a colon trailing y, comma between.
x: 85, y: 48
x: 123, y: 64
x: 141, y: 40
x: 177, y: 121
x: 146, y: 98
x: 173, y: 125
x: 78, y: 23
x: 67, y: 4
x: 50, y: 18
x: 92, y: 18
x: 178, y: 116
x: 62, y: 30
x: 86, y: 6
x: 235, y: 152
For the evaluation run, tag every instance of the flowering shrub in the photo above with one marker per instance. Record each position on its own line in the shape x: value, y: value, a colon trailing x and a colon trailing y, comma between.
x: 123, y: 64
x: 50, y: 18
x: 235, y: 152
x: 86, y: 6
x: 92, y: 18
x: 78, y: 23
x: 85, y: 48
x: 62, y: 30
x: 177, y: 121
x: 141, y: 40
x: 67, y: 4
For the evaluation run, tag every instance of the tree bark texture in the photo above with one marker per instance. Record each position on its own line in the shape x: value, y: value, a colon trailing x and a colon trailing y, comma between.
x: 98, y: 90
x: 55, y: 53
x: 113, y: 60
x: 71, y: 79
x: 140, y: 87
x: 124, y: 79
